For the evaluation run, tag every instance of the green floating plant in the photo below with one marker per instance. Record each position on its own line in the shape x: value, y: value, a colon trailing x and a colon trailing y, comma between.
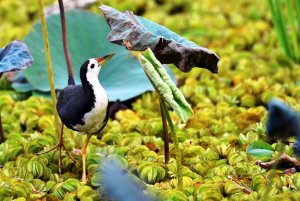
x: 260, y: 148
x: 164, y: 85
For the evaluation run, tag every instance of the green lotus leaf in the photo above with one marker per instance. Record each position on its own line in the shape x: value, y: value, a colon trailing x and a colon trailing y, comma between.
x: 122, y: 77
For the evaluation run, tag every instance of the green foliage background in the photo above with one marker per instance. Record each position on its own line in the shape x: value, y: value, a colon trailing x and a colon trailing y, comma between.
x: 230, y: 113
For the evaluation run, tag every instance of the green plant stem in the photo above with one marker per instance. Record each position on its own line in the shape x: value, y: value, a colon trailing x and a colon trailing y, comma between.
x: 178, y: 152
x: 49, y: 65
x: 279, y: 26
x: 165, y: 130
x: 65, y: 43
x: 170, y: 122
x: 287, y: 29
x: 298, y: 16
x: 165, y: 126
x: 293, y: 27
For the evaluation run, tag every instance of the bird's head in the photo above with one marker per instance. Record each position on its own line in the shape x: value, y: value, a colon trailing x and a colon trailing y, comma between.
x: 90, y: 68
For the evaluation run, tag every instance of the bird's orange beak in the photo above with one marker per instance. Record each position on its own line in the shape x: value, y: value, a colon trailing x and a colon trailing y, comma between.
x: 104, y: 59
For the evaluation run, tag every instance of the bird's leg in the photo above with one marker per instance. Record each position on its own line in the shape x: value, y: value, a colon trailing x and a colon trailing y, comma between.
x: 59, y: 160
x: 83, y: 153
x: 60, y: 144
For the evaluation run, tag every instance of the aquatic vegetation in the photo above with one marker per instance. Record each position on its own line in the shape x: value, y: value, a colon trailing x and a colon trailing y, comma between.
x: 230, y: 113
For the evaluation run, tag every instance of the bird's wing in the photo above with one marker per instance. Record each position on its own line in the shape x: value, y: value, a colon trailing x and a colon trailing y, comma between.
x: 72, y: 104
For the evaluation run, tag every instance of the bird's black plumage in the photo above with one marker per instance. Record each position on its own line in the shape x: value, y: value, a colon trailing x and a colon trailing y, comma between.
x: 75, y: 101
x: 85, y: 107
x: 71, y: 108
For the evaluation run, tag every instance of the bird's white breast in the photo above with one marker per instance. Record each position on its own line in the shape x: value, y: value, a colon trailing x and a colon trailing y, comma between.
x: 94, y: 119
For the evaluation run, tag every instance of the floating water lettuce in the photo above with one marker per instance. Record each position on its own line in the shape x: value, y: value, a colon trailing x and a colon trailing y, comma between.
x: 137, y: 33
x: 14, y: 56
x: 162, y: 82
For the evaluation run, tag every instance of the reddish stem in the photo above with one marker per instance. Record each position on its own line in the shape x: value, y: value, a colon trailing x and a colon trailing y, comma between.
x: 2, y: 138
x: 65, y: 44
x: 166, y: 136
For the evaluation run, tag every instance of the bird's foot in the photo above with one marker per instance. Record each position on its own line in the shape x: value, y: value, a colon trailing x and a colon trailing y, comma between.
x: 59, y: 145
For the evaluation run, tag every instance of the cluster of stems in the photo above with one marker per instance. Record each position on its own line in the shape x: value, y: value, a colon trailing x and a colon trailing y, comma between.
x: 167, y: 118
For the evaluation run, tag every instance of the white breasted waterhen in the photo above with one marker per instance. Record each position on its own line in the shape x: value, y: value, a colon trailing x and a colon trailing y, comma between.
x: 84, y: 107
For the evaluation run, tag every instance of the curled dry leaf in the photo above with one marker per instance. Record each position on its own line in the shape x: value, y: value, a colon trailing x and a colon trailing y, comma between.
x: 137, y: 33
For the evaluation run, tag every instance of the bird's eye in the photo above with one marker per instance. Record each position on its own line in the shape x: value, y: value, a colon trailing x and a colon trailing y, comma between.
x: 93, y: 65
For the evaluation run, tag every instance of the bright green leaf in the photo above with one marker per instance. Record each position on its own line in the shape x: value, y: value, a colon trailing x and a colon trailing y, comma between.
x: 260, y: 148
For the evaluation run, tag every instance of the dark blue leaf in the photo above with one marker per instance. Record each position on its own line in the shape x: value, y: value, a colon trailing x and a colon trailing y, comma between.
x: 14, y: 56
x: 283, y: 122
x: 119, y: 186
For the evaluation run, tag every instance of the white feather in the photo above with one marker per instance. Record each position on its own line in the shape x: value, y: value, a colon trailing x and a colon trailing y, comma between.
x: 95, y: 118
